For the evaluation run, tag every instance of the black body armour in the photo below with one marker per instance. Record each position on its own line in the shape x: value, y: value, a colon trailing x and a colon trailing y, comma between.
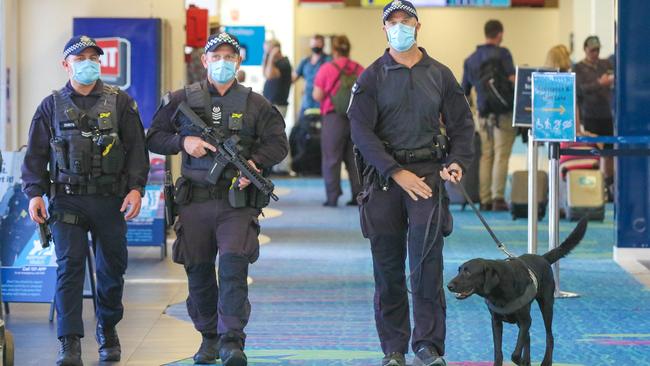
x: 87, y: 154
x: 225, y: 113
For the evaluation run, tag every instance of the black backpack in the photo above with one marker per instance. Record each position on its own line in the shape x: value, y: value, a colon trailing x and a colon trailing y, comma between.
x: 304, y: 144
x: 499, y: 90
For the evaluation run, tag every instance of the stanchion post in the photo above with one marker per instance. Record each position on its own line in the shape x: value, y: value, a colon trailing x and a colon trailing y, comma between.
x: 532, y: 193
x: 554, y: 212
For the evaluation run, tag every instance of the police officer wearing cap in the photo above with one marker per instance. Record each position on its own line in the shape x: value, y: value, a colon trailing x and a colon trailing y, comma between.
x: 91, y: 136
x: 209, y: 222
x: 399, y: 105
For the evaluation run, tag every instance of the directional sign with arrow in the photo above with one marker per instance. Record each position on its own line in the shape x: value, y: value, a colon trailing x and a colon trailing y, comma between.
x: 554, y: 106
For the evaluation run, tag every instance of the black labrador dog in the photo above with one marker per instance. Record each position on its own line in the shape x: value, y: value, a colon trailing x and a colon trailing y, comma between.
x: 509, y: 287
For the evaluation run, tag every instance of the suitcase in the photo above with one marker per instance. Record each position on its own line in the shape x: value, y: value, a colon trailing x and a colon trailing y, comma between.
x: 470, y: 179
x: 585, y: 194
x: 304, y: 144
x: 518, y: 202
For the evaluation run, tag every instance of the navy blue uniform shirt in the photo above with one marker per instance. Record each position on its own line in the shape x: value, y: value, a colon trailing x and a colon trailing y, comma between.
x: 404, y: 108
x: 36, y: 181
x: 472, y: 67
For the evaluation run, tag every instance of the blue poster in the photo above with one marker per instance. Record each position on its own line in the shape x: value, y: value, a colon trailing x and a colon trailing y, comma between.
x: 131, y: 60
x: 251, y: 40
x: 28, y: 270
x: 148, y: 229
x: 554, y: 106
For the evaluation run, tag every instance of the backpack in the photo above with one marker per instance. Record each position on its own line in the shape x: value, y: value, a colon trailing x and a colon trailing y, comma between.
x: 341, y: 99
x: 499, y: 90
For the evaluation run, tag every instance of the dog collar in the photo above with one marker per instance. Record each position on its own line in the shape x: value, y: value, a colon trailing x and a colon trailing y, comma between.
x: 523, y: 300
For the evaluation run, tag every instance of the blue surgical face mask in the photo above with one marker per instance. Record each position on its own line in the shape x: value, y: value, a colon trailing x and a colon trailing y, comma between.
x: 85, y: 72
x: 222, y: 71
x: 401, y: 37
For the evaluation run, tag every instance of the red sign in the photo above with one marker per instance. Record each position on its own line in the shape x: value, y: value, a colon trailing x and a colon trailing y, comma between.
x: 110, y: 60
x: 115, y: 61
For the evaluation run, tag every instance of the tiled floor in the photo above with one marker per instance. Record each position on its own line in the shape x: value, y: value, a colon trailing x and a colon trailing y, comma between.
x: 312, y: 298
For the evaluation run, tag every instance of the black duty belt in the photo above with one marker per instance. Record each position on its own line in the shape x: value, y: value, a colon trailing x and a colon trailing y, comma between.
x: 207, y: 193
x: 418, y: 155
x: 88, y: 189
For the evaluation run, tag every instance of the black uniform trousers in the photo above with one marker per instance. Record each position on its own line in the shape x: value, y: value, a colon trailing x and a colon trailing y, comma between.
x: 203, y: 230
x: 396, y: 225
x: 101, y: 215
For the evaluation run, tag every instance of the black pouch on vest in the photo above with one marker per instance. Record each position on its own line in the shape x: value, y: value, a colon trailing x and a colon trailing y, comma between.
x: 238, y: 198
x: 112, y: 155
x: 257, y: 199
x: 183, y: 193
x: 60, y: 150
x: 79, y: 155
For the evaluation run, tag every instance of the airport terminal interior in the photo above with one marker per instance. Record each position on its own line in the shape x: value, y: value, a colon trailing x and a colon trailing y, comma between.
x: 571, y: 145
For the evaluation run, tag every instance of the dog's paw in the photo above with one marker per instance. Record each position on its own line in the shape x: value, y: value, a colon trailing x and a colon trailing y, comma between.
x: 516, y: 359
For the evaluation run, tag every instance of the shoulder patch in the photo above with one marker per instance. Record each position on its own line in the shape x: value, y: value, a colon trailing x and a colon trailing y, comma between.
x: 166, y: 99
x: 356, y: 88
x: 134, y: 105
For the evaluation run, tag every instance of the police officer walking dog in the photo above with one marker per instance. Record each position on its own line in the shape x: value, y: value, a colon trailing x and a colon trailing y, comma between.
x: 216, y: 218
x: 91, y: 135
x: 395, y: 115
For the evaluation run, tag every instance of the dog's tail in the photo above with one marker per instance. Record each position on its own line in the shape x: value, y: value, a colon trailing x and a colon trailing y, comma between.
x: 569, y: 243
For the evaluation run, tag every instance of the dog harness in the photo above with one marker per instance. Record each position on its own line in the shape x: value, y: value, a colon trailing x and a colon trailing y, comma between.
x: 523, y: 300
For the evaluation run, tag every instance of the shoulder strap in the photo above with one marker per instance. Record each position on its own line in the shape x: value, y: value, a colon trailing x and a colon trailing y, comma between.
x: 341, y: 72
x: 66, y: 110
x: 105, y: 110
x: 198, y: 97
x: 240, y: 97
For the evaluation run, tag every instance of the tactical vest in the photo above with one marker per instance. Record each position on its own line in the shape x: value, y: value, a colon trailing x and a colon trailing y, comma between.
x: 225, y: 113
x: 87, y: 154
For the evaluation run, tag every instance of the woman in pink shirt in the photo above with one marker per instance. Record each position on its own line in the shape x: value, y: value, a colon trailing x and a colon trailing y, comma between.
x: 332, y: 88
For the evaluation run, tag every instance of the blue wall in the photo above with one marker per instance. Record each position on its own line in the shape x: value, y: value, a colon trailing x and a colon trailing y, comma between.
x: 633, y: 118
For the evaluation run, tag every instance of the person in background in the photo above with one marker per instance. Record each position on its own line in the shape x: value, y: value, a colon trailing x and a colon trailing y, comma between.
x: 308, y: 68
x: 495, y: 127
x: 277, y: 71
x: 594, y: 80
x: 333, y: 87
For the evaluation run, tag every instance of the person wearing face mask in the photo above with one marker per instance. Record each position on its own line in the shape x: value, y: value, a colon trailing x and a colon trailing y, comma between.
x: 308, y: 68
x: 208, y: 222
x: 397, y: 107
x: 92, y: 137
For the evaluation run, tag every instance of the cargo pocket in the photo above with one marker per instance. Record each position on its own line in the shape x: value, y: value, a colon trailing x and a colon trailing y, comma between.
x: 252, y: 246
x: 178, y: 246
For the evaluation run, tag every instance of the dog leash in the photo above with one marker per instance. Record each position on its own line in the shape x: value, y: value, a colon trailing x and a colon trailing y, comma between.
x: 499, y: 243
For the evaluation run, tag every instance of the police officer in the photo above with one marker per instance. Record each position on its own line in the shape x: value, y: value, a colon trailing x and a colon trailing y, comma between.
x: 399, y: 137
x: 91, y: 135
x: 209, y: 221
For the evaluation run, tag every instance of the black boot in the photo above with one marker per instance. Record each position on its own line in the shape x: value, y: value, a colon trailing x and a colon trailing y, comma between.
x: 232, y: 351
x: 208, y: 353
x: 109, y: 343
x: 69, y: 351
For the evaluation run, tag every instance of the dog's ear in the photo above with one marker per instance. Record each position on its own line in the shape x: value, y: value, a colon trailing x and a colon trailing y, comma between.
x: 491, y: 279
